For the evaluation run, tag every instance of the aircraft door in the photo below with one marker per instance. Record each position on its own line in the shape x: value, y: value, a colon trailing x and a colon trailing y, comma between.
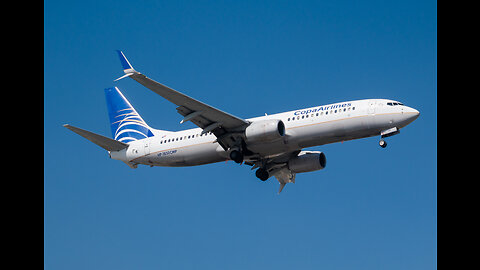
x: 371, y: 107
x: 146, y: 147
x: 142, y: 149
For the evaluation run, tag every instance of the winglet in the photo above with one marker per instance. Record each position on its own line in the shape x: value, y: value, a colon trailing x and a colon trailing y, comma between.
x: 127, y: 67
x: 124, y: 60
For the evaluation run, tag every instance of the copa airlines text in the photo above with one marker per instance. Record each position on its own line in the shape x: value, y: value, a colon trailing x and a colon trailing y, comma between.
x: 271, y: 144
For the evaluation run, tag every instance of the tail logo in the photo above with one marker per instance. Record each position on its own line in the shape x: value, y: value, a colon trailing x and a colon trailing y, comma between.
x: 126, y: 124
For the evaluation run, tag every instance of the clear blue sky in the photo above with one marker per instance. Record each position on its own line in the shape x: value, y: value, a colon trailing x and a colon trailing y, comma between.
x: 371, y: 208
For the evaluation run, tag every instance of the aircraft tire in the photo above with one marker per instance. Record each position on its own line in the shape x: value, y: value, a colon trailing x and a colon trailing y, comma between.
x: 262, y: 174
x: 236, y: 156
x: 382, y: 143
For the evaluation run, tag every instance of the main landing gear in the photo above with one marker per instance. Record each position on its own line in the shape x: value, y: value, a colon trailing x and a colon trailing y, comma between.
x: 262, y: 174
x: 236, y: 156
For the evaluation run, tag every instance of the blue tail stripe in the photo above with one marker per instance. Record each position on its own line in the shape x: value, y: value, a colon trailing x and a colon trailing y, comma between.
x: 126, y: 124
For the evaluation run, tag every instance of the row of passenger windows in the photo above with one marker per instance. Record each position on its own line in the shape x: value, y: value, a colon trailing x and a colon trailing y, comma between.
x: 185, y: 137
x: 289, y: 119
x: 394, y: 103
x: 320, y: 113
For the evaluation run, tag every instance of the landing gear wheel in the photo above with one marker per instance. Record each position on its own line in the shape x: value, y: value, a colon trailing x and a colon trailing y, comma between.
x: 382, y: 143
x: 262, y: 174
x: 236, y: 156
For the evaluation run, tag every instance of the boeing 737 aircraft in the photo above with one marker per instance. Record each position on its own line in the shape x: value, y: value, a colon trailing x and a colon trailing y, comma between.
x: 272, y: 144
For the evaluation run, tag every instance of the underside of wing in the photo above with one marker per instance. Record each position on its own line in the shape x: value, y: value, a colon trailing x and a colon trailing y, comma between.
x: 285, y: 166
x: 284, y: 176
x: 277, y: 166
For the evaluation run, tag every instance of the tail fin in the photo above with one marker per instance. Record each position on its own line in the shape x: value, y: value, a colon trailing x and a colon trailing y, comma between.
x: 126, y: 124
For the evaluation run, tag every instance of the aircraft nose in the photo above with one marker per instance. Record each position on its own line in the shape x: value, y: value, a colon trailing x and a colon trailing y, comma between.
x: 412, y: 114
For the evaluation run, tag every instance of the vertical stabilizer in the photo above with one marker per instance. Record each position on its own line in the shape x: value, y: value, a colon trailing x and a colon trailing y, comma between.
x: 126, y: 124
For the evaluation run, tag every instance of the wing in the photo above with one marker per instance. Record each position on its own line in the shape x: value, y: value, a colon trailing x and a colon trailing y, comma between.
x: 224, y: 126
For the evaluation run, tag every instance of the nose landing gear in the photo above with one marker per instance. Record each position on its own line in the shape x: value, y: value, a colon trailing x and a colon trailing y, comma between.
x: 387, y: 133
x: 382, y: 143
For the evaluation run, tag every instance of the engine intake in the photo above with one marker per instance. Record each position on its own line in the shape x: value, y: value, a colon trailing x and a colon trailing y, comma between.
x: 307, y: 162
x: 265, y: 131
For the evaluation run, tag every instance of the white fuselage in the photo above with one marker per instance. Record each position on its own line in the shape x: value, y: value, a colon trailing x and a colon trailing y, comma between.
x: 303, y: 128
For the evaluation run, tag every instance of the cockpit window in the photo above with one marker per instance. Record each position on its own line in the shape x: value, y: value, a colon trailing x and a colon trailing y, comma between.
x: 394, y: 103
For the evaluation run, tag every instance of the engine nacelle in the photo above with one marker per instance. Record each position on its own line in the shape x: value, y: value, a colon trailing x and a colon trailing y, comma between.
x: 265, y: 131
x: 307, y: 161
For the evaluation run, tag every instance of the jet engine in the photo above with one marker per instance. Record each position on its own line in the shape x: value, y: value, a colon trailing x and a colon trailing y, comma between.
x: 307, y: 161
x: 265, y: 131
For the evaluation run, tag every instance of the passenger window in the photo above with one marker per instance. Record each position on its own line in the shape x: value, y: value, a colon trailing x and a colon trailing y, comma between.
x: 288, y: 119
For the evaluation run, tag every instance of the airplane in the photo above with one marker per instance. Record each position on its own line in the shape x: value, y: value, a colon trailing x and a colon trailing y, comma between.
x: 272, y: 144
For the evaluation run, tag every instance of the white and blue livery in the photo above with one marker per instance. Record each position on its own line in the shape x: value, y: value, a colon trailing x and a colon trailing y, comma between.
x: 271, y: 144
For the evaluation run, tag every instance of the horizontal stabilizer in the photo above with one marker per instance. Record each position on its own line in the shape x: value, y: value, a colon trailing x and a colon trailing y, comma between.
x: 102, y: 141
